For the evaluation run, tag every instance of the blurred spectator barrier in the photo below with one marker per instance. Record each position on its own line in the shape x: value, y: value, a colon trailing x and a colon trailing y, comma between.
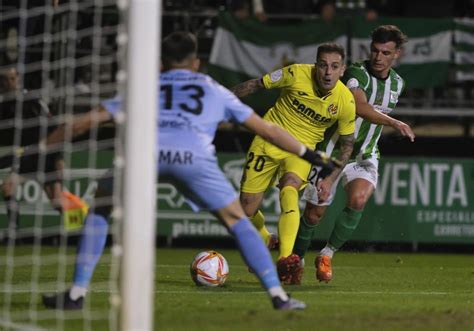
x: 418, y: 200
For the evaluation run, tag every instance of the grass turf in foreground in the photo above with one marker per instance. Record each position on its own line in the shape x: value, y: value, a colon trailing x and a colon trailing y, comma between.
x: 370, y: 291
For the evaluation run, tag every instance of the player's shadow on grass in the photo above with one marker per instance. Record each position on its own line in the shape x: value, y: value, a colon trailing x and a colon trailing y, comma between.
x: 231, y: 286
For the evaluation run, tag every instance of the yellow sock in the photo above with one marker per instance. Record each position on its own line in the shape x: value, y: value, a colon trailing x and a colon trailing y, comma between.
x: 289, y: 220
x: 258, y: 220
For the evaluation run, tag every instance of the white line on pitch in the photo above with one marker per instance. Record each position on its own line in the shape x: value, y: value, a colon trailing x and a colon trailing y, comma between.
x: 97, y: 289
x: 19, y: 326
x: 319, y: 292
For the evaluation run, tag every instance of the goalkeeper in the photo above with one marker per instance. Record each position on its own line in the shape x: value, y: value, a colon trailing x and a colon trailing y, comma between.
x: 23, y: 160
x: 192, y: 105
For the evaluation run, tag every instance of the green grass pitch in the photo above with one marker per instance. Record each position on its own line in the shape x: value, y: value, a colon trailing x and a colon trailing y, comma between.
x: 370, y: 291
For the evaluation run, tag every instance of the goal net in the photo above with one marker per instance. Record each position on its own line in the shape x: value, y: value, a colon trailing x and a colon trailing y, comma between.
x: 60, y: 59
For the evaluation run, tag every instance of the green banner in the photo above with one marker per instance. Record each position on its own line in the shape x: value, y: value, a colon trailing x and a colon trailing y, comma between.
x: 425, y: 58
x: 464, y: 49
x: 245, y: 49
x: 418, y: 200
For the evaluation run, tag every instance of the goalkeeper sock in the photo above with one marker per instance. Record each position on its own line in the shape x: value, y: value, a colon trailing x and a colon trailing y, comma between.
x: 303, y: 239
x: 258, y: 220
x: 77, y: 292
x: 345, y: 225
x: 255, y: 253
x: 289, y: 220
x: 91, y: 246
x: 278, y: 291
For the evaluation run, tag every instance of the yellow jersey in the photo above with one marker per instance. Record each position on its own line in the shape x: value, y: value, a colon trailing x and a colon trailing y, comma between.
x: 302, y: 110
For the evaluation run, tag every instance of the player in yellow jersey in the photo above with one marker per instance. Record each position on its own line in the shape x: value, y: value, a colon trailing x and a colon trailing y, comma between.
x: 312, y: 99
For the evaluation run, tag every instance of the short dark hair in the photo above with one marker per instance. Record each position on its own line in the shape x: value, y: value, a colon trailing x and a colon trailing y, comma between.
x: 386, y: 33
x: 331, y: 48
x: 177, y: 46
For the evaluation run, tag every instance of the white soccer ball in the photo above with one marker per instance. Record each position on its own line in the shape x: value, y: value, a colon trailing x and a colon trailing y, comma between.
x: 209, y: 269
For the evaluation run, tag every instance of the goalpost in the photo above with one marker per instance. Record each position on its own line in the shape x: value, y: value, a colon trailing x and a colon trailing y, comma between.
x: 69, y: 55
x: 140, y: 177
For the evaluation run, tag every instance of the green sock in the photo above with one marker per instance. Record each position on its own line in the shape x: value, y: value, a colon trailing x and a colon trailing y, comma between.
x: 303, y: 238
x: 345, y: 225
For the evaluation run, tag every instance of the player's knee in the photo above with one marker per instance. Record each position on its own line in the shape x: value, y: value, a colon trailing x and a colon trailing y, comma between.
x: 248, y: 205
x: 290, y: 179
x: 232, y: 218
x: 6, y: 191
x: 312, y: 214
x: 357, y: 201
x: 230, y: 214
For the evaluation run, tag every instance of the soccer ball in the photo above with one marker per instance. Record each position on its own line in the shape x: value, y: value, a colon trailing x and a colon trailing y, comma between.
x: 209, y: 269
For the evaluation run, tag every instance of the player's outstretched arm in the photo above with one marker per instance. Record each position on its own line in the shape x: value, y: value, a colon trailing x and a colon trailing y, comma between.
x: 247, y: 87
x: 283, y: 139
x: 74, y: 126
x: 404, y: 129
x: 347, y: 145
x: 367, y: 111
x: 79, y: 124
x: 324, y: 186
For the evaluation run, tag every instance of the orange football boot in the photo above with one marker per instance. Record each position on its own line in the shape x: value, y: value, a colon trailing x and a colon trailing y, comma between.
x: 323, y: 268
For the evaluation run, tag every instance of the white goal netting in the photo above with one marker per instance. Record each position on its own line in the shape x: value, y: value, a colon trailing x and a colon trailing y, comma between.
x: 58, y: 59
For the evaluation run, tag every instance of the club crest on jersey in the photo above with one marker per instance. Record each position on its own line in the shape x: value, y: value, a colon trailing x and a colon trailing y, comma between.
x: 276, y: 75
x: 332, y: 109
x: 393, y: 97
x: 352, y: 83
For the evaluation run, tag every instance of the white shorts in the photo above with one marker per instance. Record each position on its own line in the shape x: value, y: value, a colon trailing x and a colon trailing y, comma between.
x: 366, y: 169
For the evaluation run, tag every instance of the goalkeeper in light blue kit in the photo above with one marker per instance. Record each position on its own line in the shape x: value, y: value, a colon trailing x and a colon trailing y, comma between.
x: 191, y: 107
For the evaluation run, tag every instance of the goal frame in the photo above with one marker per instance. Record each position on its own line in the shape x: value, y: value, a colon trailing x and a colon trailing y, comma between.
x: 139, y: 194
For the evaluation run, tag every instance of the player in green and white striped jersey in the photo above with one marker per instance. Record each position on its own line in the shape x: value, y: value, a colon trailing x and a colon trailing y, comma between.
x: 376, y: 88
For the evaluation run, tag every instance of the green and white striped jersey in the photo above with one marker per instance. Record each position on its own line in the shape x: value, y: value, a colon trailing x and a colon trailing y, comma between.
x: 382, y: 94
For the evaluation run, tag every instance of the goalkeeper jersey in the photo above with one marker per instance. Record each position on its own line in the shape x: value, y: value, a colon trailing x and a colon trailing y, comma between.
x: 382, y: 94
x: 303, y: 110
x: 191, y: 107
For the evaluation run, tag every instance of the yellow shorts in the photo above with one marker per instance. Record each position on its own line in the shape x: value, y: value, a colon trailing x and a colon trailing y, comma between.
x: 266, y: 162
